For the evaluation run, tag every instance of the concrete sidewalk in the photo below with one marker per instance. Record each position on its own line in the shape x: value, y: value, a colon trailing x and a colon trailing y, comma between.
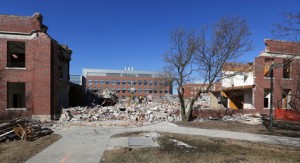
x: 87, y: 144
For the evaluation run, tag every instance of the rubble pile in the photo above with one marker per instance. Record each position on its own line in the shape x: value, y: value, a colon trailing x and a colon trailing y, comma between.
x: 104, y: 97
x: 24, y: 129
x: 166, y: 109
x: 245, y: 118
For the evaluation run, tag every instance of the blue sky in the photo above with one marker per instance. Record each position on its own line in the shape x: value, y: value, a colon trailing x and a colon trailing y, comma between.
x: 113, y: 34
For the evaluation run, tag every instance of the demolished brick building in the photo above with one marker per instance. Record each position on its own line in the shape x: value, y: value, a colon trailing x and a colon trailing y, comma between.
x: 34, y: 69
x: 247, y: 86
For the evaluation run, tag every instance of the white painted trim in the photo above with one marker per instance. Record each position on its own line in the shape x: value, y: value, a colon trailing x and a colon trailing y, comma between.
x: 280, y: 55
x: 18, y: 36
x: 13, y: 109
x: 15, y: 68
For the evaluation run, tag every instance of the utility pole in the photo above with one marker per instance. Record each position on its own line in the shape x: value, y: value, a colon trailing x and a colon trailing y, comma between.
x: 271, y: 97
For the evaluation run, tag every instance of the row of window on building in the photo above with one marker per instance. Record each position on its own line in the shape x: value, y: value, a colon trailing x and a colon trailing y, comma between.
x: 198, y: 88
x: 286, y: 68
x: 133, y: 91
x: 125, y: 82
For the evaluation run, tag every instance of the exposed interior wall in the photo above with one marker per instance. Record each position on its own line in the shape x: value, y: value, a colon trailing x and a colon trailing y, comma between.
x: 227, y: 80
x: 76, y: 95
x: 248, y: 99
x: 63, y: 95
x: 238, y: 80
x: 248, y: 78
x: 214, y: 99
x: 235, y: 99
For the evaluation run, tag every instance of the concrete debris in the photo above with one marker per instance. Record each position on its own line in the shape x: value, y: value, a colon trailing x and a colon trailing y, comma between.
x: 180, y: 143
x: 150, y: 110
x: 104, y: 97
x: 166, y: 109
x: 24, y: 129
x: 244, y: 118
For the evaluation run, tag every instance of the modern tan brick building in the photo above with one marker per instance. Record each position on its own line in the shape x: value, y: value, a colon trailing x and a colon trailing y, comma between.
x: 128, y: 82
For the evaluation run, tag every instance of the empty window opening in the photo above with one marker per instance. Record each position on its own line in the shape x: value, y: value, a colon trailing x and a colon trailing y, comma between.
x: 286, y: 98
x: 286, y: 69
x: 268, y: 63
x: 15, y: 54
x: 16, y: 95
x: 267, y: 98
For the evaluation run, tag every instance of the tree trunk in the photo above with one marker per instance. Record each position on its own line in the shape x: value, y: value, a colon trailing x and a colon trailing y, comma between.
x: 182, y: 104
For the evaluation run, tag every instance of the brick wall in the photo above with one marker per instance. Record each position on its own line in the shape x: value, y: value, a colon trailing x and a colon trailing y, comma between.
x: 262, y: 83
x: 22, y: 24
x: 277, y: 46
x: 36, y: 76
x: 190, y: 90
x: 40, y: 72
x: 127, y: 86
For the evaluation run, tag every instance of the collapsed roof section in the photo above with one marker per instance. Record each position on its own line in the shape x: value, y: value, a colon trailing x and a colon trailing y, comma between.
x: 282, y: 47
x: 237, y: 67
x: 64, y: 52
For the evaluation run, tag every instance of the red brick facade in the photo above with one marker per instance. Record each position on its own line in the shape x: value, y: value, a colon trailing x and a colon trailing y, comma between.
x: 142, y: 87
x: 280, y: 53
x: 40, y: 73
x: 190, y: 90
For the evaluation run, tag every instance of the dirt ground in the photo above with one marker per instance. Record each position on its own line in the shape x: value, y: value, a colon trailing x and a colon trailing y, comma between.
x: 213, y: 149
x: 19, y: 151
x: 204, y: 149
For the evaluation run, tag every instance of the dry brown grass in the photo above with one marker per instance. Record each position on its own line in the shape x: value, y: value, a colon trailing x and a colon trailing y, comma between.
x: 205, y: 150
x: 20, y: 151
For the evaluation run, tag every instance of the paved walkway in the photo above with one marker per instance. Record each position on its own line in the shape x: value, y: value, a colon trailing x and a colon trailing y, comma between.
x: 87, y: 144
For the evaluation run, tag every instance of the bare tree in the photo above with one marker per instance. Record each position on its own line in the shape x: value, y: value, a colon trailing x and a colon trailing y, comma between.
x: 207, y: 51
x: 289, y: 28
x: 179, y: 60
